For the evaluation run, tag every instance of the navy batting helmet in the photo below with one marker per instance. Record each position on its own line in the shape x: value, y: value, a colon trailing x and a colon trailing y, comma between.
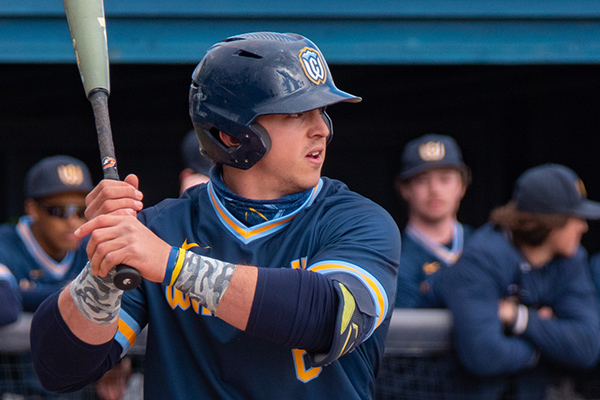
x: 254, y: 74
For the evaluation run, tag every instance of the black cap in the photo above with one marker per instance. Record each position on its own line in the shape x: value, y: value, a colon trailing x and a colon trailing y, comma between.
x: 190, y: 151
x: 430, y: 151
x: 57, y: 174
x: 554, y: 189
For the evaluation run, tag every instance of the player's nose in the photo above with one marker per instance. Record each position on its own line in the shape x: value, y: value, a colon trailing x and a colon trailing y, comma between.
x: 318, y: 127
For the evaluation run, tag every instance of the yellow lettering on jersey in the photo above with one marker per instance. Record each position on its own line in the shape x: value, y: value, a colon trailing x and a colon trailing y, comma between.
x: 187, y: 245
x: 297, y: 264
x: 302, y: 373
x: 201, y: 311
x: 205, y: 311
x: 176, y: 298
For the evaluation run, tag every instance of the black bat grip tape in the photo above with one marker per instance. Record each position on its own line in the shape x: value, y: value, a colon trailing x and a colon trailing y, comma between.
x: 126, y: 277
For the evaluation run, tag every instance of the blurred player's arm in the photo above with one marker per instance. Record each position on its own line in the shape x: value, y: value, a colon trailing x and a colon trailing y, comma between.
x: 10, y: 300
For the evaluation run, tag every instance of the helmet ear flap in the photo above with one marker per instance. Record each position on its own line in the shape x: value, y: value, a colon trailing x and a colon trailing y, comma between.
x: 264, y: 135
x: 329, y: 124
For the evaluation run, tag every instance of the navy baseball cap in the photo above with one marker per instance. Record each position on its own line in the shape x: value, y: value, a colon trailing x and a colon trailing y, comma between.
x: 430, y: 151
x: 190, y: 150
x: 554, y: 189
x: 57, y: 174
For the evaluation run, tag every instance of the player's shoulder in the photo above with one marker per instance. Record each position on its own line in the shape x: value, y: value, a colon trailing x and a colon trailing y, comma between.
x: 578, y: 260
x: 335, y: 193
x: 337, y: 202
x: 8, y: 229
x: 489, y: 248
x: 340, y: 209
x: 9, y: 239
x: 488, y: 238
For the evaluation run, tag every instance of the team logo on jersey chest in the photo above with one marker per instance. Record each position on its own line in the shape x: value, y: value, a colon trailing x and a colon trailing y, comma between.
x: 70, y: 174
x: 432, y: 151
x: 431, y: 268
x: 313, y: 65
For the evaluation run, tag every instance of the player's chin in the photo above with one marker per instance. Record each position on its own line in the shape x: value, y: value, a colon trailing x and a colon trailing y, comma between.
x: 309, y: 181
x: 70, y: 243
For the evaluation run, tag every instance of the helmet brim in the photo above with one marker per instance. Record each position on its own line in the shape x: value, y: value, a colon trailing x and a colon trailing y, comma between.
x: 306, y: 101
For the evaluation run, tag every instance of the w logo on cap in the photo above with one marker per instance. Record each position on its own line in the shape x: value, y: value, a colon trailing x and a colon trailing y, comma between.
x: 432, y: 151
x: 70, y: 174
x: 313, y: 65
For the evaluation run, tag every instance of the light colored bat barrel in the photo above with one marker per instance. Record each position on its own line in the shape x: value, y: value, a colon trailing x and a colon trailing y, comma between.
x: 88, y: 32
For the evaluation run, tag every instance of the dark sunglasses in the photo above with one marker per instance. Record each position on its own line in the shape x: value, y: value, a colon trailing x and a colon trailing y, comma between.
x: 65, y: 212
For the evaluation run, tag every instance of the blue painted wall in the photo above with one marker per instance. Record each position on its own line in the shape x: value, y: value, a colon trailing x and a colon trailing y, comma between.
x: 385, y: 32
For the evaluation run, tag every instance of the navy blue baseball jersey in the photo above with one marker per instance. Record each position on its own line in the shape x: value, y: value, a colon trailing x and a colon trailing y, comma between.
x: 595, y: 271
x: 193, y: 354
x: 10, y: 300
x: 422, y: 257
x: 490, y: 269
x: 37, y: 274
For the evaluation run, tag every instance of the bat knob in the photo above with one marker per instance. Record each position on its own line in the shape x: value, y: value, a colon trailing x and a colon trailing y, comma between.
x: 127, y: 278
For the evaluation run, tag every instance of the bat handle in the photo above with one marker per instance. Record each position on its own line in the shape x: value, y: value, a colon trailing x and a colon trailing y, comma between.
x: 126, y: 277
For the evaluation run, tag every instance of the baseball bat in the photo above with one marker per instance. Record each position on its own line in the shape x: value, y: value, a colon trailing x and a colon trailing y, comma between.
x: 88, y: 33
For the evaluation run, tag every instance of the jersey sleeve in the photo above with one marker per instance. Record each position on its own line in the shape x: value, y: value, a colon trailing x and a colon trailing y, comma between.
x: 63, y: 362
x: 570, y: 338
x: 133, y: 317
x: 471, y: 290
x: 361, y: 249
x: 10, y: 300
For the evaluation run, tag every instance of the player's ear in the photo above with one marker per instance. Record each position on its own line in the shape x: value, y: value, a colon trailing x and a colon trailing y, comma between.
x: 228, y: 141
x: 31, y: 208
x: 401, y: 188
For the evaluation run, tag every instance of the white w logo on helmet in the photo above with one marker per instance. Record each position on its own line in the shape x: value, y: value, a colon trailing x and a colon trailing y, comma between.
x: 313, y: 65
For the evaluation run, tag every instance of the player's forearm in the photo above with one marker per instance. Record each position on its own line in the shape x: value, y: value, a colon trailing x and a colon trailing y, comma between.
x: 573, y: 342
x: 487, y: 352
x: 223, y: 288
x: 10, y: 304
x: 236, y: 304
x: 261, y: 301
x: 86, y: 330
x: 62, y: 361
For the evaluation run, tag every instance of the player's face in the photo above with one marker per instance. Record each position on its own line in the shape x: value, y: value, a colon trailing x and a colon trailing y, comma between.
x: 55, y: 218
x: 434, y: 195
x: 294, y: 163
x: 566, y: 240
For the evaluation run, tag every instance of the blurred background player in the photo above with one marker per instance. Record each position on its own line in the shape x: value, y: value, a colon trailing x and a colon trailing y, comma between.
x: 264, y: 283
x: 432, y: 181
x: 521, y: 295
x: 10, y: 298
x: 41, y: 250
x: 197, y: 166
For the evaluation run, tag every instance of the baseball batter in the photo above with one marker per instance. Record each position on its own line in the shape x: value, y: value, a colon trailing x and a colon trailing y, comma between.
x: 269, y: 281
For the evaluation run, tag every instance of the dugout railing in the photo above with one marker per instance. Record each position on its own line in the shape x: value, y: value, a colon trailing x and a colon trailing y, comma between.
x: 417, y: 341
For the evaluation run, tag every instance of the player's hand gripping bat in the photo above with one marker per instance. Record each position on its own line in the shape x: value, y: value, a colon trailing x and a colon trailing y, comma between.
x: 88, y: 32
